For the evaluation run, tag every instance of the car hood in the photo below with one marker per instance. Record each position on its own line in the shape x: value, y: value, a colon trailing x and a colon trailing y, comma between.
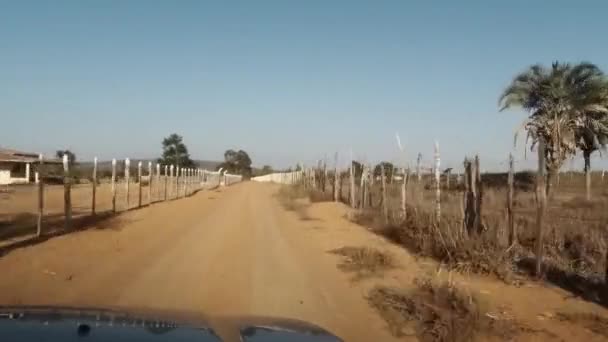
x: 28, y: 323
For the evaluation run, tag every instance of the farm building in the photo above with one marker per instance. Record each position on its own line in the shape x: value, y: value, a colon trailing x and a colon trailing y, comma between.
x: 17, y: 167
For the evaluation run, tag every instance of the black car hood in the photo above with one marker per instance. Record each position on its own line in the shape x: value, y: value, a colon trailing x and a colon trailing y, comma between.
x: 44, y: 323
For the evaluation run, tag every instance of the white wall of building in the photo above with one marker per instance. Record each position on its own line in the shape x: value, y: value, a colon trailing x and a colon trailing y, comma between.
x: 5, y: 175
x: 280, y: 177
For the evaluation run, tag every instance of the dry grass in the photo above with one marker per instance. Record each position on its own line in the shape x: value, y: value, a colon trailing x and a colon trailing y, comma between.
x: 445, y: 242
x: 365, y: 262
x: 295, y: 198
x: 596, y: 323
x: 575, y: 230
x: 438, y: 311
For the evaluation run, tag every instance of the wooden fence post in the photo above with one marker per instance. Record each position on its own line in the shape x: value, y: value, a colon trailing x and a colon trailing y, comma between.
x: 336, y: 179
x: 127, y: 171
x: 418, y: 161
x: 362, y: 188
x: 404, y: 195
x: 478, y: 196
x: 511, y: 222
x: 113, y: 181
x: 466, y: 198
x: 541, y: 198
x: 67, y: 196
x: 149, y: 182
x: 140, y: 185
x: 369, y: 176
x: 314, y: 176
x: 384, y: 199
x: 40, y: 195
x: 437, y: 183
x: 324, y: 176
x: 353, y: 203
x: 94, y: 186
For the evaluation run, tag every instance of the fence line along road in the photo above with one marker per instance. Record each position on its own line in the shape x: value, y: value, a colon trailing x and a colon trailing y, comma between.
x: 161, y: 186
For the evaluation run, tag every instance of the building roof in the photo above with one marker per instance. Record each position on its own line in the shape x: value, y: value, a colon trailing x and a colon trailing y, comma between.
x: 9, y: 155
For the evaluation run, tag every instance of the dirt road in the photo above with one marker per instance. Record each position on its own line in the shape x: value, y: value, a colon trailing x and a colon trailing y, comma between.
x: 237, y: 251
x: 221, y: 253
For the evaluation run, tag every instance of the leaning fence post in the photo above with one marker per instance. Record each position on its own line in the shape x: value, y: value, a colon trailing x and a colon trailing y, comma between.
x: 40, y: 195
x: 511, y: 223
x: 541, y: 198
x: 67, y: 198
x: 127, y: 171
x: 113, y: 185
x: 437, y: 183
x: 94, y: 185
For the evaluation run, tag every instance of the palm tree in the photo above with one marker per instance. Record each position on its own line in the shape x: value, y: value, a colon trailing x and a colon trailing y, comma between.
x: 591, y: 135
x: 559, y: 101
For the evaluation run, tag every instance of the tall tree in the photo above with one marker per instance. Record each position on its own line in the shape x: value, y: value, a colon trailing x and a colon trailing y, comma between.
x: 71, y: 156
x: 175, y: 152
x: 557, y: 99
x: 237, y: 162
x: 388, y: 170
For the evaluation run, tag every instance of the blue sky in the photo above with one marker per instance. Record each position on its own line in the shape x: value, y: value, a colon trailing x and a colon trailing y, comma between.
x: 287, y: 81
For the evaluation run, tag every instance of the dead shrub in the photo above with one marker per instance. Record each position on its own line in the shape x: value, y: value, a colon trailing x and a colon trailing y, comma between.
x: 319, y: 196
x: 293, y: 198
x: 365, y: 262
x: 437, y: 311
x: 594, y: 322
x: 580, y: 203
x: 477, y: 253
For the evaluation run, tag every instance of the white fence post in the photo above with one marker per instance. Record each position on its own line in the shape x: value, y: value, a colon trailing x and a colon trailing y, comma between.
x: 127, y: 171
x: 40, y: 195
x: 94, y: 185
x: 113, y: 185
x: 67, y: 197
